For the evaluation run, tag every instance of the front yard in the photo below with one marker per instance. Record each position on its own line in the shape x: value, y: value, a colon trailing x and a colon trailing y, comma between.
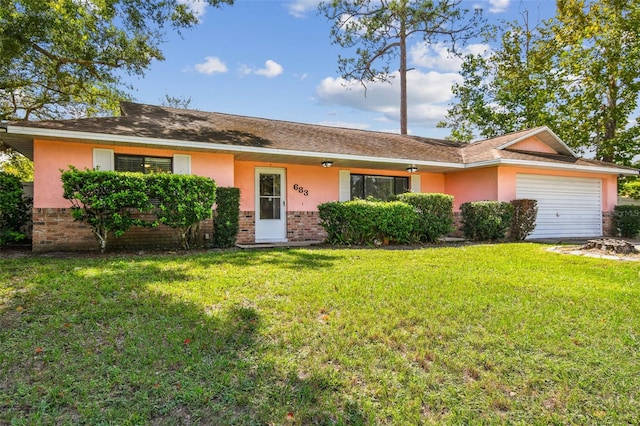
x: 483, y: 334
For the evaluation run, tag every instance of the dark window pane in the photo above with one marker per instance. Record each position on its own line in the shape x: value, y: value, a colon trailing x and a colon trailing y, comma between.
x: 157, y: 165
x: 357, y: 186
x: 378, y: 187
x: 269, y: 184
x: 401, y: 185
x: 269, y: 207
x: 129, y: 163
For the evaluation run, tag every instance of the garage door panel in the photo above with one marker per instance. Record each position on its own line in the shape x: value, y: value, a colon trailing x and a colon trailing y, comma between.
x: 567, y: 207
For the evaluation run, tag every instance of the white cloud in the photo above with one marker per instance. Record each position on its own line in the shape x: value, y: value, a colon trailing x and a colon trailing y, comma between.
x: 498, y: 6
x: 198, y: 7
x: 211, y: 65
x: 428, y: 95
x: 437, y: 57
x: 300, y: 8
x: 271, y: 69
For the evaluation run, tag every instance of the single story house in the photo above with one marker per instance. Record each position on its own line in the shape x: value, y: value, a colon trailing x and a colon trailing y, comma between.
x: 284, y: 170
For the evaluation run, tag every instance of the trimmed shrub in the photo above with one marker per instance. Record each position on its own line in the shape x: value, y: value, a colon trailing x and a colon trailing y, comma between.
x: 227, y: 216
x: 182, y: 202
x: 486, y: 220
x: 368, y: 222
x: 435, y: 214
x: 626, y: 220
x: 524, y: 218
x: 106, y: 201
x: 14, y: 210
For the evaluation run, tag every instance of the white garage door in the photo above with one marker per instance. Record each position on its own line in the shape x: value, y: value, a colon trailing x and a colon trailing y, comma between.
x: 567, y: 206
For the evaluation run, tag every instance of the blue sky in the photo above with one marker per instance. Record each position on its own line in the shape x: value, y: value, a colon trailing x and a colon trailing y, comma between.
x: 274, y: 59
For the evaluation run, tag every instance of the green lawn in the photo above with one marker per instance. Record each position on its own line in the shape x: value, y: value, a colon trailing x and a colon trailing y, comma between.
x: 497, y: 334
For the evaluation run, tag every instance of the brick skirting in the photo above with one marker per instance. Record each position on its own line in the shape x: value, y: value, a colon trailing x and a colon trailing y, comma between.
x: 301, y: 226
x: 55, y: 230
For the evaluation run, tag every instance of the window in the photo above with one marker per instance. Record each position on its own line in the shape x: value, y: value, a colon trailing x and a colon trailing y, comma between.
x: 378, y: 187
x: 134, y: 163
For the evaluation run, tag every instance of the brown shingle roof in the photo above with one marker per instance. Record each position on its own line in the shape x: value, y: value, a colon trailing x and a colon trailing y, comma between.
x: 172, y: 124
x: 160, y: 122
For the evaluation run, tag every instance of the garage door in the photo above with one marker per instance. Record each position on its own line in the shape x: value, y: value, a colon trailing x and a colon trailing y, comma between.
x: 567, y: 207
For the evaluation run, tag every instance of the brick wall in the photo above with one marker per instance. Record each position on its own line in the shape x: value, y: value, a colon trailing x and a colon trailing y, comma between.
x: 247, y: 228
x: 304, y: 226
x: 301, y: 226
x: 55, y: 229
x: 607, y: 224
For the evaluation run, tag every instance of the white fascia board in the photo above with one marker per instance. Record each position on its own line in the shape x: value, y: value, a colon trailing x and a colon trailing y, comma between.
x: 136, y: 140
x: 544, y: 129
x: 553, y: 166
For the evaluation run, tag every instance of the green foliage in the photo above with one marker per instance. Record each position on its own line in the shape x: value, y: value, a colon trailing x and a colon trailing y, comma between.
x: 368, y: 222
x: 16, y: 164
x: 59, y: 54
x: 626, y: 220
x: 630, y: 188
x: 181, y: 202
x: 14, y: 209
x: 435, y: 214
x: 227, y: 216
x: 486, y: 220
x: 106, y: 201
x: 524, y: 218
x: 378, y: 32
x: 576, y: 74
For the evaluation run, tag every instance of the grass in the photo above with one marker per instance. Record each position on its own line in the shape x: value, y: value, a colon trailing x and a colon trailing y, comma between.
x: 497, y: 334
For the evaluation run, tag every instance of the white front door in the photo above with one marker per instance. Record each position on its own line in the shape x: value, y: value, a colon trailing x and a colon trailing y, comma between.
x: 271, y: 212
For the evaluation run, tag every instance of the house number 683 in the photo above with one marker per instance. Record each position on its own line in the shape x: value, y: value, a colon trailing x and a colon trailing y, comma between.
x: 300, y: 189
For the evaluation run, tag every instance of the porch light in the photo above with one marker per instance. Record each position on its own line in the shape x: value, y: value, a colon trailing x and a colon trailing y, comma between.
x: 412, y: 169
x: 327, y: 163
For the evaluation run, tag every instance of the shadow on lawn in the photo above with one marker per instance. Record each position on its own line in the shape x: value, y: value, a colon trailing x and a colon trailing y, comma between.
x: 103, y: 348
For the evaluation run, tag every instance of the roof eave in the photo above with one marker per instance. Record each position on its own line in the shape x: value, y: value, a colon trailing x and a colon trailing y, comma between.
x: 554, y: 166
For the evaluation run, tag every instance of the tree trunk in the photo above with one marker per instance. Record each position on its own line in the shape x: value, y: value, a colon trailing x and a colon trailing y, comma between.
x: 403, y: 76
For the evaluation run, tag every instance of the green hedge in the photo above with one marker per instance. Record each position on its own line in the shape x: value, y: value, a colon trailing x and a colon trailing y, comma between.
x: 368, y: 222
x: 486, y: 220
x: 14, y: 209
x: 181, y: 202
x: 435, y: 214
x: 626, y: 220
x: 226, y: 219
x: 111, y: 202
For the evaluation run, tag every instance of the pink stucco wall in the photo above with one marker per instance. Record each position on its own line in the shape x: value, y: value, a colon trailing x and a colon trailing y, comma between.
x: 472, y: 185
x: 51, y: 156
x: 533, y: 144
x: 321, y: 183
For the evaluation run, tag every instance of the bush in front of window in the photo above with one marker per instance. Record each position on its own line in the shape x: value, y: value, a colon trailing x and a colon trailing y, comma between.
x: 486, y: 220
x: 626, y: 220
x: 368, y: 222
x: 435, y: 214
x: 227, y: 215
x: 106, y: 201
x: 182, y: 202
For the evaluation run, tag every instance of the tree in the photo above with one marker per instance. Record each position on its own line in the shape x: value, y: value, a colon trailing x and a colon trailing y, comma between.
x: 58, y: 53
x: 601, y: 45
x: 508, y: 89
x: 380, y: 30
x: 17, y: 165
x: 576, y: 73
